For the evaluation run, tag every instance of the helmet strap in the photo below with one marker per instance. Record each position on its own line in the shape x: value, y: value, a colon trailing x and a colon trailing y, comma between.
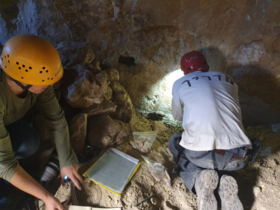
x: 25, y: 88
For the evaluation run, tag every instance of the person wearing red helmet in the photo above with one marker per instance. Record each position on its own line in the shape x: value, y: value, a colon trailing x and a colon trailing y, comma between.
x: 194, y: 61
x: 213, y: 137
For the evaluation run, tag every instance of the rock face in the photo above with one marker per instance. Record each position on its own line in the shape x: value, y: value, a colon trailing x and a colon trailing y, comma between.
x: 81, y: 88
x: 145, y: 44
x: 104, y: 131
x: 78, y: 132
x: 73, y: 53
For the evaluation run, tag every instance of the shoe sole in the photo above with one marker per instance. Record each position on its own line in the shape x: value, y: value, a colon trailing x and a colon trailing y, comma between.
x: 228, y: 192
x: 209, y: 181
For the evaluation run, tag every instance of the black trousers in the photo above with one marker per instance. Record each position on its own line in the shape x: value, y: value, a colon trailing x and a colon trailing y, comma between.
x: 25, y: 142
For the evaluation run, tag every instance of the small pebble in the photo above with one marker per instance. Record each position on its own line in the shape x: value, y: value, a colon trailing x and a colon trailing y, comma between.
x: 256, y: 191
x: 154, y: 201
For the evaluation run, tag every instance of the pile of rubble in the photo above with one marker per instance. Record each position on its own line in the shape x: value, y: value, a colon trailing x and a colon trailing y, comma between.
x: 97, y: 107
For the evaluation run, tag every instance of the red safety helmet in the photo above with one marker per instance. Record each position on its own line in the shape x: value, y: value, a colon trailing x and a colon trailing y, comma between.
x: 194, y: 61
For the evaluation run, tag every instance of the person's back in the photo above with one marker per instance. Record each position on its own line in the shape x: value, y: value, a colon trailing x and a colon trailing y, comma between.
x: 211, y: 112
x: 213, y: 137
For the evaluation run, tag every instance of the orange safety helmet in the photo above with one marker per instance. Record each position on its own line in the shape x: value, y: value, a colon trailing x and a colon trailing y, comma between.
x: 32, y: 60
x: 194, y: 61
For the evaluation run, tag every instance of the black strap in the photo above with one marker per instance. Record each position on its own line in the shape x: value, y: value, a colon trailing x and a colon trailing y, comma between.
x: 179, y: 156
x: 257, y: 145
x: 179, y: 148
x: 25, y: 88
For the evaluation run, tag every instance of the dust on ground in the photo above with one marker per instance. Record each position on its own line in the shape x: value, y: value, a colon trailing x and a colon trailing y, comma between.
x: 259, y: 183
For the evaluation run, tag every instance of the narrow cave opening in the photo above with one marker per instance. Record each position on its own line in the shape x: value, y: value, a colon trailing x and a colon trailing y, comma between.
x: 128, y: 61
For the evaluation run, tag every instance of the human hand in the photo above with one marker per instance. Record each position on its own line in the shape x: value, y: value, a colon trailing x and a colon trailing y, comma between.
x: 72, y: 173
x: 52, y: 203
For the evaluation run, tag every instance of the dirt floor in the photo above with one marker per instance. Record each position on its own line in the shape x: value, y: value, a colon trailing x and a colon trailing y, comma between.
x: 259, y: 183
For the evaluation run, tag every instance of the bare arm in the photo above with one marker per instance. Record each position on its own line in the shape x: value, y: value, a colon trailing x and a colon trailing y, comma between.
x: 23, y: 181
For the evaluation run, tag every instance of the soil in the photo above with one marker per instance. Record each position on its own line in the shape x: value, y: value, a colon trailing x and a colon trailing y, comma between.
x: 259, y: 182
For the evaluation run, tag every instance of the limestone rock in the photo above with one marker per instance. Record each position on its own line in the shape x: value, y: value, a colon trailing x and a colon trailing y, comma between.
x: 139, y: 123
x: 105, y: 107
x: 113, y: 74
x: 108, y: 95
x: 97, y: 65
x: 256, y: 191
x: 123, y: 112
x: 162, y: 131
x: 104, y: 131
x: 81, y: 88
x: 95, y: 69
x: 78, y: 132
x: 125, y: 109
x: 160, y: 113
x: 126, y: 33
x: 73, y: 53
x: 159, y: 127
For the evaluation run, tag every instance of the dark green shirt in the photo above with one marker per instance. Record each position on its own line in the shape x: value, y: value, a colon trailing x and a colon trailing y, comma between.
x: 13, y: 108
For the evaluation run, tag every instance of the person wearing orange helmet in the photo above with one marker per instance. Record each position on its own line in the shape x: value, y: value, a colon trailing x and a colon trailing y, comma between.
x: 213, y: 137
x: 31, y: 65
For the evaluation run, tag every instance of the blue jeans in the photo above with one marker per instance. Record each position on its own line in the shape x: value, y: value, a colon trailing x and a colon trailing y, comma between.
x: 25, y: 142
x: 191, y: 163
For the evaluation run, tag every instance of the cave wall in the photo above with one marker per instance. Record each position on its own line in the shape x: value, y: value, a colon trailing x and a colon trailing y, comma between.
x: 145, y: 39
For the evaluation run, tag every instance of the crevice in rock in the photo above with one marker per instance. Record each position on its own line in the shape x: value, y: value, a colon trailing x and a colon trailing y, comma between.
x: 128, y: 61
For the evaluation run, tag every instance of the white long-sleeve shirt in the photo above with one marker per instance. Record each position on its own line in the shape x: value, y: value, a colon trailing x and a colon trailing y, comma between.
x: 208, y: 104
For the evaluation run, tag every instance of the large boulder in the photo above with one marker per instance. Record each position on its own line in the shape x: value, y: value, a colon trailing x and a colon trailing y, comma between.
x: 82, y: 87
x: 78, y: 132
x: 125, y: 109
x: 105, y: 132
x: 123, y: 112
x: 105, y: 107
x: 73, y: 53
